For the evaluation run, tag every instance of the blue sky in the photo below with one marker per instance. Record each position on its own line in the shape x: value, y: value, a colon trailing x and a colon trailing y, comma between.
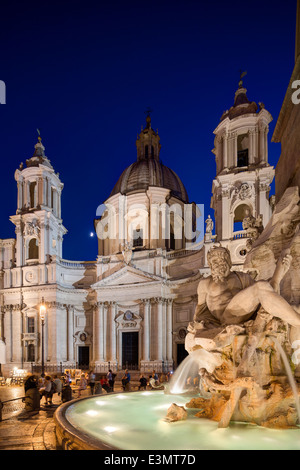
x: 84, y: 73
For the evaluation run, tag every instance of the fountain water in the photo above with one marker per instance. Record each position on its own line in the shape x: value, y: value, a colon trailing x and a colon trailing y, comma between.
x: 289, y: 374
x: 186, y: 376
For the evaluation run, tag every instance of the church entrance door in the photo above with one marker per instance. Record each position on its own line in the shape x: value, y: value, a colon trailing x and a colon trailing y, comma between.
x: 130, y: 350
x: 83, y: 357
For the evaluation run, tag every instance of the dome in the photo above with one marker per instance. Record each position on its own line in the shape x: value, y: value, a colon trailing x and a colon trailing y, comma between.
x: 144, y: 173
x: 148, y: 169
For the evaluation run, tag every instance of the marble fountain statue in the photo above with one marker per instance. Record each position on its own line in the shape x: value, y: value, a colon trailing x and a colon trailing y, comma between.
x: 246, y: 324
x: 243, y: 345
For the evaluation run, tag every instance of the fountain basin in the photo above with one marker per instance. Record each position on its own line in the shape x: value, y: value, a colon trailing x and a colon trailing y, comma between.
x: 136, y: 421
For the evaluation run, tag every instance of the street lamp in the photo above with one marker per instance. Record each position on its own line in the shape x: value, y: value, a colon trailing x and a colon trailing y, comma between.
x: 43, y: 316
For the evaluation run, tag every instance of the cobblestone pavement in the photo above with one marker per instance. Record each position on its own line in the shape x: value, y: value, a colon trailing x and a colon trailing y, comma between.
x: 22, y: 430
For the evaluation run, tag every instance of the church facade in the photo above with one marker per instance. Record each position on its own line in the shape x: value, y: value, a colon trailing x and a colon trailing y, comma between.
x: 130, y: 307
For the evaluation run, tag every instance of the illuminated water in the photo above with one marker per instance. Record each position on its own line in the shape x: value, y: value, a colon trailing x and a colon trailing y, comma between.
x: 133, y: 421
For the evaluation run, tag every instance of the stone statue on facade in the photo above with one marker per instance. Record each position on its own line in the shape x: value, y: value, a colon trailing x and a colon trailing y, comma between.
x: 127, y: 252
x: 209, y: 225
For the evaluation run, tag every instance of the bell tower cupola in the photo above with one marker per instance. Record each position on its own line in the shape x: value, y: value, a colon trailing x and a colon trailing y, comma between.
x: 147, y: 143
x: 241, y: 136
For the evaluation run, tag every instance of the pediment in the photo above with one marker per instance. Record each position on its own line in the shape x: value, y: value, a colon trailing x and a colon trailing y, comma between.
x: 127, y: 276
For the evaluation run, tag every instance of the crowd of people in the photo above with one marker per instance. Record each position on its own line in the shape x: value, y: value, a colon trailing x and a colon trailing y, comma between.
x: 153, y: 382
x: 47, y: 386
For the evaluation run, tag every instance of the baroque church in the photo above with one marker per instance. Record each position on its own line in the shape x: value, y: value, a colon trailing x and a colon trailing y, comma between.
x: 130, y: 307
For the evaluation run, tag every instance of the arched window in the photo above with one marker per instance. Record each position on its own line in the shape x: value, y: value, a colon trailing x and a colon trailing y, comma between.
x: 239, y: 215
x: 33, y: 249
x: 146, y: 151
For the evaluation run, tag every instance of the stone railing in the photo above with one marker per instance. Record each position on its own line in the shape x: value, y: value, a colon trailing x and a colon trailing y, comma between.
x: 76, y: 264
x: 239, y: 234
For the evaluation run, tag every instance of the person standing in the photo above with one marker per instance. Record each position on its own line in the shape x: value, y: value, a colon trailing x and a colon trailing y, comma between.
x: 92, y: 380
x: 32, y: 395
x: 143, y: 382
x: 155, y: 376
x: 66, y: 394
x: 126, y: 380
x: 30, y: 383
x: 58, y: 384
x: 82, y: 385
x: 67, y: 377
x: 46, y: 390
x: 111, y: 379
x: 105, y: 384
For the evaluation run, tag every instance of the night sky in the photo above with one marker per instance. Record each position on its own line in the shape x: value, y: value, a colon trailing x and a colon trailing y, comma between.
x: 84, y: 73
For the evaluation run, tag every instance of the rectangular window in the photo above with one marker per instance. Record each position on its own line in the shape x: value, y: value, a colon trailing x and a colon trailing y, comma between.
x: 30, y: 325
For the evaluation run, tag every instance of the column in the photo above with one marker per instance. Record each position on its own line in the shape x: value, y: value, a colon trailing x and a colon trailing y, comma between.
x: 20, y: 195
x: 250, y: 134
x: 16, y: 334
x: 255, y: 146
x: 44, y: 198
x: 262, y: 143
x: 8, y: 327
x: 146, y: 345
x: 159, y: 329
x: 55, y: 202
x: 113, y: 339
x: 1, y: 325
x: 59, y: 204
x: 235, y: 151
x: 43, y: 233
x: 266, y: 144
x: 225, y: 152
x: 169, y: 332
x: 50, y: 334
x: 227, y: 223
x: 164, y: 329
x: 48, y: 192
x: 70, y: 333
x: 40, y: 191
x: 98, y: 332
x: 27, y: 194
x: 104, y: 332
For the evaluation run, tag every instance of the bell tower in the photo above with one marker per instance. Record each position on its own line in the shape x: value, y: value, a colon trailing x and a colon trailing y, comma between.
x: 39, y: 229
x: 243, y: 175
